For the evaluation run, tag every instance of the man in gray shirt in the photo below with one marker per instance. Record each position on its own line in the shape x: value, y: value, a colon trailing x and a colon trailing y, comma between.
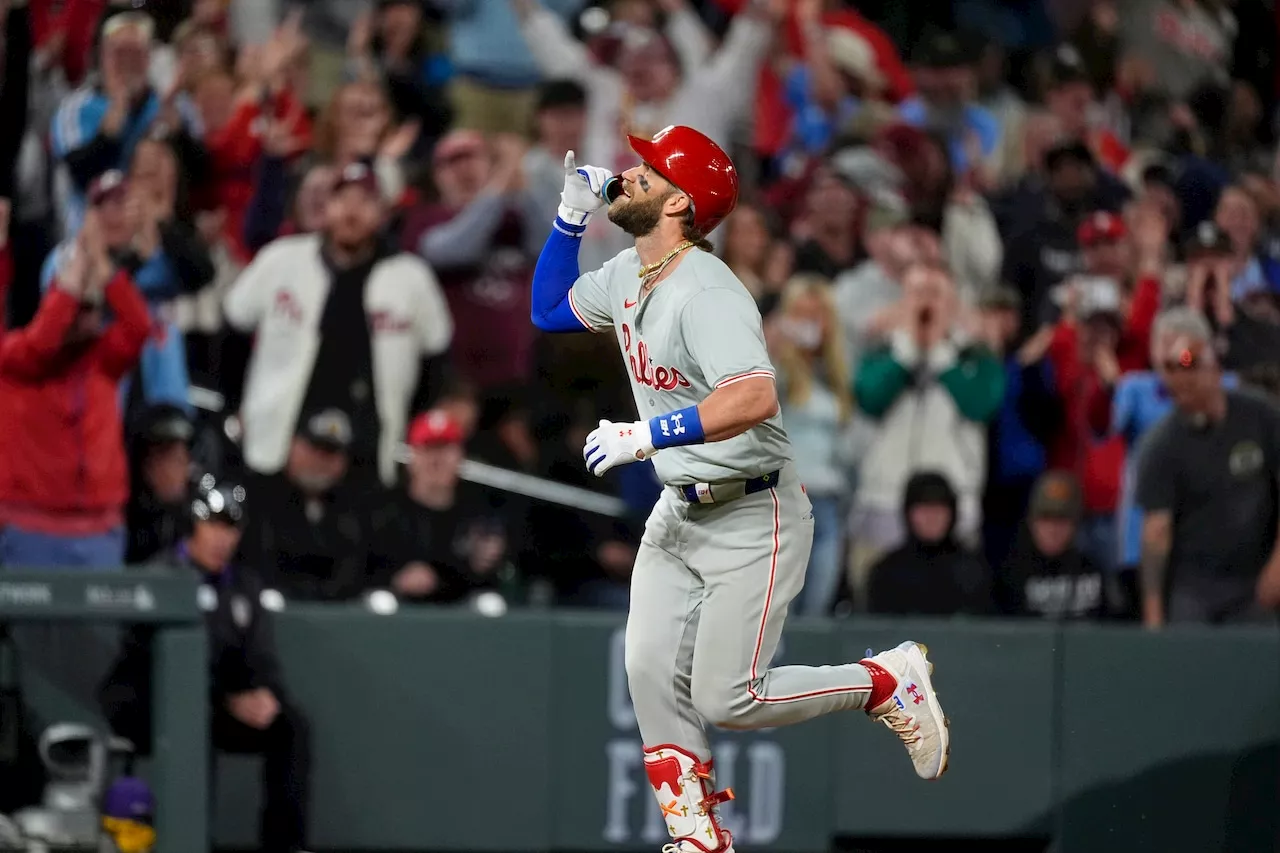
x: 1208, y: 481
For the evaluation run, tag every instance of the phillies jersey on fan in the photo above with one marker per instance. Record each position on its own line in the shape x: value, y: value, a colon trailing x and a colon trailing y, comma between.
x: 697, y: 331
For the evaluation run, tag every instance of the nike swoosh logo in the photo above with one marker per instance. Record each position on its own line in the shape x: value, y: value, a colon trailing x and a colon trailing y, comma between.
x: 627, y: 303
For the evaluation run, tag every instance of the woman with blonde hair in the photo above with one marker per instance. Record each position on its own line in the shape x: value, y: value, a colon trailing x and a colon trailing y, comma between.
x: 358, y: 124
x: 817, y: 408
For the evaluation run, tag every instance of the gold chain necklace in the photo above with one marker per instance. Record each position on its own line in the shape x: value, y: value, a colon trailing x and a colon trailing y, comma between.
x: 648, y: 273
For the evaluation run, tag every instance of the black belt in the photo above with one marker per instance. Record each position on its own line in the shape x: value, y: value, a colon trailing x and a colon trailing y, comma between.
x: 716, y: 493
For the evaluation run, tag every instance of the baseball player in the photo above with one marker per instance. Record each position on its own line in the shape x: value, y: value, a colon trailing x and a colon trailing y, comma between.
x: 725, y: 548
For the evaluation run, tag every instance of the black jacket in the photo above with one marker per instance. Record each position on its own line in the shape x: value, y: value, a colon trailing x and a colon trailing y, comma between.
x: 242, y: 651
x: 310, y: 550
x: 446, y: 540
x: 930, y: 578
x: 1068, y: 586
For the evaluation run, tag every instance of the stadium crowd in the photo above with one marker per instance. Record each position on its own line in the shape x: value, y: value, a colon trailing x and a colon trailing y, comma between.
x: 1018, y: 264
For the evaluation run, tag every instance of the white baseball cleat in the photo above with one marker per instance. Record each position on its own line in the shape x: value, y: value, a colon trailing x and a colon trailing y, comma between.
x: 690, y: 847
x: 913, y: 712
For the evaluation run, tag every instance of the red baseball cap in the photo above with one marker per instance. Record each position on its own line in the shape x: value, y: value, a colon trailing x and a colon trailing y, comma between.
x: 433, y: 428
x: 106, y: 185
x: 1101, y: 227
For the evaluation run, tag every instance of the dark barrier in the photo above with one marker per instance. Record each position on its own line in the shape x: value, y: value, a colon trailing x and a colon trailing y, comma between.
x: 439, y: 730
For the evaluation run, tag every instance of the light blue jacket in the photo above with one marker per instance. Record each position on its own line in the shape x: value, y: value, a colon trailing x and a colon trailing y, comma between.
x: 486, y: 43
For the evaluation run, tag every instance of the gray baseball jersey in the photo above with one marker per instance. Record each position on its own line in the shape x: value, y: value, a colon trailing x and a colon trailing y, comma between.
x: 711, y: 583
x: 697, y: 331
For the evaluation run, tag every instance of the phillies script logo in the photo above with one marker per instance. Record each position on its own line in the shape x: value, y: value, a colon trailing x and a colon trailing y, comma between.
x: 661, y: 378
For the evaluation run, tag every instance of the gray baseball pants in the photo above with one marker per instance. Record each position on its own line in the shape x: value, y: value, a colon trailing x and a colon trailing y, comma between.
x: 709, y: 595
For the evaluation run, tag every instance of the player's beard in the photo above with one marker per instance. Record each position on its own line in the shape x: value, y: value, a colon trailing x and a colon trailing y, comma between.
x: 638, y: 217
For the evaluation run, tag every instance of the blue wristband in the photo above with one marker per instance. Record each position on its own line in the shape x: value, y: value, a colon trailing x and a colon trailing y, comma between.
x: 677, y: 428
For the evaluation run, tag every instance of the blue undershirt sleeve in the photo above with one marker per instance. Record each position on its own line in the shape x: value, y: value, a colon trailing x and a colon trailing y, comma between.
x: 553, y: 277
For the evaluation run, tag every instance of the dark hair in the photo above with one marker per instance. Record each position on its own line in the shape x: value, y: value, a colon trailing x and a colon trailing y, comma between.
x: 560, y: 93
x: 692, y: 232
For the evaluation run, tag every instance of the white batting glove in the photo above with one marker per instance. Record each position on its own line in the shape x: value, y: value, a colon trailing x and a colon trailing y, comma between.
x: 583, y: 191
x: 610, y: 445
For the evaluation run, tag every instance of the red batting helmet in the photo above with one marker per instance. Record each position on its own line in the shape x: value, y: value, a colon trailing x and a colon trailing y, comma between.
x: 696, y: 165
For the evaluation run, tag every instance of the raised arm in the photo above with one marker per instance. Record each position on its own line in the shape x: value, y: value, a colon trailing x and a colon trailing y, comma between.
x: 688, y: 35
x: 563, y: 299
x: 555, y: 50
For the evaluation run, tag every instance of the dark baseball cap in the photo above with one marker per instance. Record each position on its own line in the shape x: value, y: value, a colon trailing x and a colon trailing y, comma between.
x: 1206, y: 239
x: 1068, y: 150
x: 329, y: 429
x: 1067, y: 67
x: 219, y: 501
x: 1056, y: 495
x: 164, y: 424
x: 939, y: 48
x: 561, y: 93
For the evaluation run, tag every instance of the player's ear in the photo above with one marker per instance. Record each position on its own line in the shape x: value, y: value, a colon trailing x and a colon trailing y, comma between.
x: 677, y: 203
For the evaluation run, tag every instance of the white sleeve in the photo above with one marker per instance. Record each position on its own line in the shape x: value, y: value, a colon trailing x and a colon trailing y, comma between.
x: 555, y: 51
x: 249, y: 297
x: 433, y: 324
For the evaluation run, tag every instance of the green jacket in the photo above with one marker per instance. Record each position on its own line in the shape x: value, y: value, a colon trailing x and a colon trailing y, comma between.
x: 932, y: 410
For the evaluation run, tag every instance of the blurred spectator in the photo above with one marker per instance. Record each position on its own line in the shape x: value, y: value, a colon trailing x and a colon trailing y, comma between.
x: 1105, y: 331
x: 357, y: 126
x: 1070, y: 101
x: 1247, y: 333
x: 933, y: 390
x: 97, y: 128
x: 757, y: 254
x: 65, y: 33
x: 1237, y: 216
x: 495, y: 68
x: 588, y: 558
x: 840, y: 81
x: 159, y: 511
x: 836, y: 73
x: 1207, y: 485
x: 312, y: 526
x: 1042, y: 222
x: 252, y: 712
x: 998, y: 95
x: 932, y: 573
x: 814, y: 388
x: 268, y: 216
x: 451, y: 539
x: 1187, y: 42
x: 163, y: 255
x: 1046, y: 575
x: 866, y: 294
x: 944, y: 66
x: 256, y: 123
x: 388, y: 46
x: 559, y: 122
x: 63, y: 474
x: 1029, y: 418
x: 951, y: 209
x: 651, y: 80
x: 827, y: 232
x: 1141, y: 400
x: 482, y: 239
x: 342, y: 321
